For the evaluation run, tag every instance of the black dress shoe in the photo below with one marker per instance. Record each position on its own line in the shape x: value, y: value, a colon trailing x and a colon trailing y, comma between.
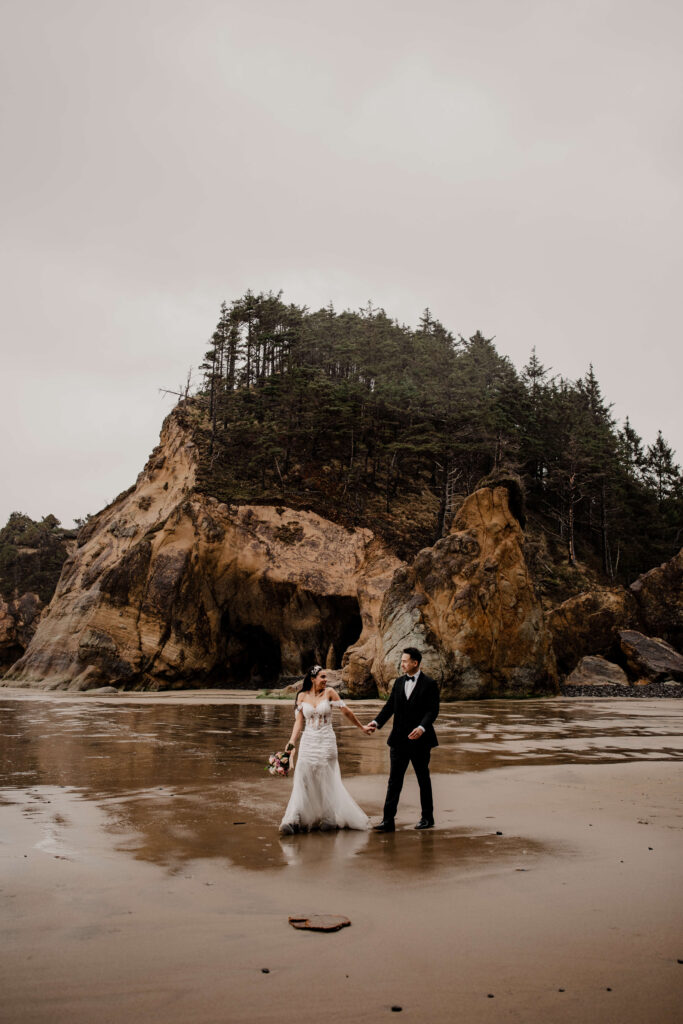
x: 384, y: 826
x: 425, y: 823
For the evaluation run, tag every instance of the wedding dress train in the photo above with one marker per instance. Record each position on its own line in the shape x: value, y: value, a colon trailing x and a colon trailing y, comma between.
x: 319, y: 798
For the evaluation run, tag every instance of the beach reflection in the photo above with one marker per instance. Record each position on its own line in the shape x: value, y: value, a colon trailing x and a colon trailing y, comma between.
x: 177, y: 782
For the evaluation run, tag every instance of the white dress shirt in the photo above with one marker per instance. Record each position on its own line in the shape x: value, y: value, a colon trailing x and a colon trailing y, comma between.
x: 409, y: 686
x: 411, y: 683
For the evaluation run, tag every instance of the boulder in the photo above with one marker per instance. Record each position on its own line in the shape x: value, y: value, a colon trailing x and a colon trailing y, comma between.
x: 589, y: 624
x: 650, y: 658
x: 597, y: 671
x: 468, y: 603
x: 168, y: 588
x: 357, y: 666
x: 659, y: 594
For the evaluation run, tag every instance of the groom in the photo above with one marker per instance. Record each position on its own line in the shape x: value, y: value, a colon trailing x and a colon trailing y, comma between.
x: 414, y: 703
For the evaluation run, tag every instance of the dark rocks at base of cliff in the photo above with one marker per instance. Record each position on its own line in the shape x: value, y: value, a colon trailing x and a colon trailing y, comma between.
x: 597, y: 677
x: 589, y: 624
x: 628, y: 629
x: 652, y: 690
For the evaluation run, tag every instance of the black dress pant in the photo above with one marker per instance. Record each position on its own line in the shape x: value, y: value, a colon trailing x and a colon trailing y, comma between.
x: 401, y: 757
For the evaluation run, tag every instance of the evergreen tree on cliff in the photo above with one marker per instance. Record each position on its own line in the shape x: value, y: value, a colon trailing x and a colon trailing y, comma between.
x: 372, y: 422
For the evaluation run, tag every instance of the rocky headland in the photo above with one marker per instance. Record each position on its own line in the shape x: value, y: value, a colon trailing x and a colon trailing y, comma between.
x: 169, y: 587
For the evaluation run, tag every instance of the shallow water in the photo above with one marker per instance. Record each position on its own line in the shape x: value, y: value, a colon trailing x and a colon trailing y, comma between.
x: 169, y: 783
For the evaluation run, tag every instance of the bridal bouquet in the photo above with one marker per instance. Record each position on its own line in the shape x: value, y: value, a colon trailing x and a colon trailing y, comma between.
x: 278, y: 764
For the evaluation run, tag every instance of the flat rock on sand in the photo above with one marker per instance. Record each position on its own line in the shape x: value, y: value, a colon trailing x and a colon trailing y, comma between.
x: 320, y: 923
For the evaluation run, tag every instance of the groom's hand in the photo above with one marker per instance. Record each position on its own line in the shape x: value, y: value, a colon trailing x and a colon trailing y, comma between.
x: 371, y: 727
x: 416, y: 733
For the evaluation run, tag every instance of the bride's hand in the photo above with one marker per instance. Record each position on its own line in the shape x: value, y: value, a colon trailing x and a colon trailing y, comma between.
x: 367, y: 729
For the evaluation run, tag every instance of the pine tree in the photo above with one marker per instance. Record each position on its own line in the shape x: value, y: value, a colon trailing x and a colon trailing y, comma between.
x: 660, y: 470
x: 357, y: 416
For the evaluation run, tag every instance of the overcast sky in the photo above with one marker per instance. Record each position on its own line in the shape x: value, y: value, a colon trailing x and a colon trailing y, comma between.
x: 515, y: 165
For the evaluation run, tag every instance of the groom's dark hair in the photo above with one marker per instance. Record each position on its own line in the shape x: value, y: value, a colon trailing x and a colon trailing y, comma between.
x: 413, y: 653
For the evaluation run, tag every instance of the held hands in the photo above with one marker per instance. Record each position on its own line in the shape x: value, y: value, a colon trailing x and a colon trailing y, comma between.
x: 369, y: 729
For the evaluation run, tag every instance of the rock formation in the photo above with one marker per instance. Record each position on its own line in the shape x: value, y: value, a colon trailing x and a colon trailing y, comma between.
x: 169, y: 588
x: 597, y: 671
x: 589, y: 624
x: 659, y: 594
x: 650, y: 658
x: 18, y: 623
x: 469, y: 604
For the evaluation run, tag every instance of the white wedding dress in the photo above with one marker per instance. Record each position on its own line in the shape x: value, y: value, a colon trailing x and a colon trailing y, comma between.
x: 319, y: 798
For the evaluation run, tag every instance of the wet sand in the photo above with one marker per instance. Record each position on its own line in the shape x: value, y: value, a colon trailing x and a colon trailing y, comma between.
x: 142, y: 877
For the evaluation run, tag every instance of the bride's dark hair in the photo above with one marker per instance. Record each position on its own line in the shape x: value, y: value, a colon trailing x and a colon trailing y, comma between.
x: 313, y: 671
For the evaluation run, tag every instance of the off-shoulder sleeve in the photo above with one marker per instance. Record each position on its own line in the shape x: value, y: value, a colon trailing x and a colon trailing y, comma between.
x: 298, y: 709
x: 337, y: 703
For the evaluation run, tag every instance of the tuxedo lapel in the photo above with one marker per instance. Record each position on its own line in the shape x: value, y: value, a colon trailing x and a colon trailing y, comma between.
x: 402, y: 689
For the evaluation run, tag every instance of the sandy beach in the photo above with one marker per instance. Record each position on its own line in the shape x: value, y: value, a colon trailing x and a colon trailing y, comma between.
x: 142, y: 877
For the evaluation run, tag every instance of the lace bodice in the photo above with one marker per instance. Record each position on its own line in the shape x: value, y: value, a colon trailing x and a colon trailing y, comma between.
x: 319, y: 716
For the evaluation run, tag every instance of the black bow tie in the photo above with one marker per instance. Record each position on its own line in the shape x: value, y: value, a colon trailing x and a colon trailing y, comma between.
x: 410, y: 679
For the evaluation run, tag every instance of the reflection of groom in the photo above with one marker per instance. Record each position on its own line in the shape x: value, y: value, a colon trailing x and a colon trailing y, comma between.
x: 414, y: 703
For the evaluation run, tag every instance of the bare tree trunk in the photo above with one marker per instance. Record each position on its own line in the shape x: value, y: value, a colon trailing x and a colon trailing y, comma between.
x: 604, y: 532
x: 570, y: 533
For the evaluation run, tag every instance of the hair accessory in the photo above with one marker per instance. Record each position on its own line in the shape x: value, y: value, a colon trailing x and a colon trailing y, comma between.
x: 316, y: 670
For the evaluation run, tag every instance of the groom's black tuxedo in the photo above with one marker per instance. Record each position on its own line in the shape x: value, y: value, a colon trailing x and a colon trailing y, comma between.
x: 421, y: 708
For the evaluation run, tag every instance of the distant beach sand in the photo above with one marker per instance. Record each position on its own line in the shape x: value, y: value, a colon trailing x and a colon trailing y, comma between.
x: 549, y: 892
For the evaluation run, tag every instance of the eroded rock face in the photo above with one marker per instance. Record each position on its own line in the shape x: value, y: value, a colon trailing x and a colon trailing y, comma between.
x: 169, y: 588
x: 18, y: 622
x: 597, y: 671
x: 659, y: 594
x: 649, y: 658
x: 589, y: 624
x: 469, y: 605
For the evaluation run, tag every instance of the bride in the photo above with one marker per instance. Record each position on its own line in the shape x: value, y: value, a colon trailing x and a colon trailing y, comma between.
x: 319, y: 798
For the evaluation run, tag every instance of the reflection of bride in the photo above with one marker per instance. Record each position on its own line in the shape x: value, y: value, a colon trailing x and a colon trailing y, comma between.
x: 319, y: 798
x: 341, y: 846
